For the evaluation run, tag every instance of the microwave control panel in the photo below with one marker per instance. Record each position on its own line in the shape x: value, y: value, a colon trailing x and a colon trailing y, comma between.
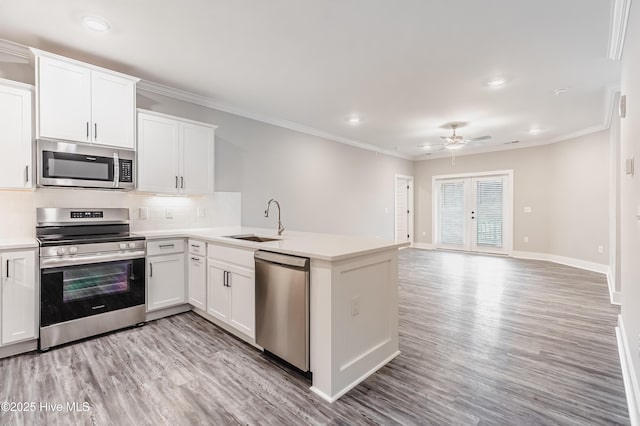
x: 126, y: 171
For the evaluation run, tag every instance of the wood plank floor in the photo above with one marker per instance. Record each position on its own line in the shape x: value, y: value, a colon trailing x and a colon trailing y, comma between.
x: 484, y: 340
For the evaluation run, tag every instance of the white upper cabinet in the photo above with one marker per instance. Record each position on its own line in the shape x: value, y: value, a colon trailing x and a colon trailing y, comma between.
x: 197, y: 159
x: 16, y: 170
x: 175, y: 156
x: 84, y: 103
x: 113, y: 102
x: 158, y: 151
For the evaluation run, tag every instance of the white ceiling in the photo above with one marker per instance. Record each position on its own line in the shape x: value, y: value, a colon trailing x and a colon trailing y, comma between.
x: 406, y: 67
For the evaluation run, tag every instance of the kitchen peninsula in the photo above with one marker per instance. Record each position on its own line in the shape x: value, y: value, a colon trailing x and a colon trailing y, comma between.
x: 353, y: 297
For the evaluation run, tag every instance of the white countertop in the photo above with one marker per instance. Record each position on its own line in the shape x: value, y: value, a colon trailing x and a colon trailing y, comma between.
x: 17, y: 243
x: 316, y: 246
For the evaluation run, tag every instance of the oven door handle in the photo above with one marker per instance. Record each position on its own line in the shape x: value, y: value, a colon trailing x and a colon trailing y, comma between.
x: 57, y: 262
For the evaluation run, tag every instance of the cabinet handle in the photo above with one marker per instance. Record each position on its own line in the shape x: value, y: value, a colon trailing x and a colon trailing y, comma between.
x: 224, y: 281
x: 26, y: 174
x: 150, y: 269
x: 228, y: 279
x: 182, y: 182
x: 87, y: 130
x: 95, y: 131
x: 8, y: 268
x: 176, y: 182
x: 166, y: 246
x: 196, y: 259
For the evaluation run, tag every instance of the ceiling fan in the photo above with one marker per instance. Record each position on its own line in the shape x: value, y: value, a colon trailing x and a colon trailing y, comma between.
x: 455, y: 142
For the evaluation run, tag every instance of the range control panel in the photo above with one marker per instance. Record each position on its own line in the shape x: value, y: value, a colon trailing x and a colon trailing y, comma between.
x: 87, y: 215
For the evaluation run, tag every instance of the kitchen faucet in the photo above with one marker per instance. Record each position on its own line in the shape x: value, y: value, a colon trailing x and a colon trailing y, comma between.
x: 266, y: 214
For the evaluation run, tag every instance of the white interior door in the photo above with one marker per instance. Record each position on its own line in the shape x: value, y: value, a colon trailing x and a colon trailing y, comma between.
x: 474, y: 214
x: 404, y: 208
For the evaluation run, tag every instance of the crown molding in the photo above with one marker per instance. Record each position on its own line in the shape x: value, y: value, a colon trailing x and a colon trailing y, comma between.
x: 183, y: 95
x: 618, y: 28
x: 14, y: 52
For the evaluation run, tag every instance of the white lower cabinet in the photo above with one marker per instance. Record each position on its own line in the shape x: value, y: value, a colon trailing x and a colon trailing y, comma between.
x: 165, y: 280
x: 18, y: 307
x: 231, y: 295
x: 197, y: 275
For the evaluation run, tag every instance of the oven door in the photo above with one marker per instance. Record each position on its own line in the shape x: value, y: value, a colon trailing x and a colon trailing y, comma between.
x: 72, y: 292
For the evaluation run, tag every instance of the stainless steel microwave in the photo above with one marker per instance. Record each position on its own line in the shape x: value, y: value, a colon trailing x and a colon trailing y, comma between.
x: 66, y: 164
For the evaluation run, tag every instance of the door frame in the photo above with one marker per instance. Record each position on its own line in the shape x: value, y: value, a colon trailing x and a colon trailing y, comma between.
x: 409, y: 205
x: 508, y: 220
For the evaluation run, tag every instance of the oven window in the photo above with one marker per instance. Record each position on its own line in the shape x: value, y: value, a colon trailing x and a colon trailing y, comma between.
x: 95, y: 280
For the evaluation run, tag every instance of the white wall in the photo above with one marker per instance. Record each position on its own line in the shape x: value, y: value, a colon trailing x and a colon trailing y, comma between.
x: 323, y: 186
x: 630, y: 195
x: 565, y: 184
x: 18, y: 215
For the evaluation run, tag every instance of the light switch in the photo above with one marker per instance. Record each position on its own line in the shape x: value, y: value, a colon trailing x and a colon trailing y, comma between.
x: 527, y: 209
x: 168, y: 213
x: 526, y: 239
x: 201, y: 211
x: 143, y: 213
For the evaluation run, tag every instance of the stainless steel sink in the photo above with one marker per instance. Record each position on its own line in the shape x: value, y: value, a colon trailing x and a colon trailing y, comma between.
x: 251, y: 237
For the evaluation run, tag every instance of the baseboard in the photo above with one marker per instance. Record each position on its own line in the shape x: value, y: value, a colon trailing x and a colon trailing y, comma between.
x: 423, y: 246
x: 334, y: 398
x: 166, y: 312
x: 569, y: 261
x: 18, y: 348
x: 614, y: 296
x: 628, y: 374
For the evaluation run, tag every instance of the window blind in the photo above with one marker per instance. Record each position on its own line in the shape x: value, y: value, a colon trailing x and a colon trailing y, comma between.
x: 452, y: 213
x: 489, y: 213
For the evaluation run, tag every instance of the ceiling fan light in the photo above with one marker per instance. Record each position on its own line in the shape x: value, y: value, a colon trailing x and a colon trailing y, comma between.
x: 96, y: 23
x: 453, y: 147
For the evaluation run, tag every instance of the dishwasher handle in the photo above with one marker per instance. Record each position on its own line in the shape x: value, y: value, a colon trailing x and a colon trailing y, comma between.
x: 282, y: 259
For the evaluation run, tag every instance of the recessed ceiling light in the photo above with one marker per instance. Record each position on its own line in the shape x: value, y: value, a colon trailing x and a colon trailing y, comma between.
x: 354, y: 120
x: 535, y: 131
x: 561, y: 90
x: 96, y: 23
x: 496, y: 82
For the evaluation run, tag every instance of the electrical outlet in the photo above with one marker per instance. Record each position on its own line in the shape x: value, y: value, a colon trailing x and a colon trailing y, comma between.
x: 386, y: 210
x: 143, y: 213
x: 527, y: 209
x: 526, y: 239
x: 424, y: 233
x: 168, y: 213
x: 600, y: 249
x: 355, y: 306
x: 201, y: 211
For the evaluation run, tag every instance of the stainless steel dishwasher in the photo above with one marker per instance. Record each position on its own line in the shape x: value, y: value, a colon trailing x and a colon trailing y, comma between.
x: 282, y: 306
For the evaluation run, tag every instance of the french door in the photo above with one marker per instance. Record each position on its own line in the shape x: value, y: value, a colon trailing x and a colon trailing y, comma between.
x: 474, y: 214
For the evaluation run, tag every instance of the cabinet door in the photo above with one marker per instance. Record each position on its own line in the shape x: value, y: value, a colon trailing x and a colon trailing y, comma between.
x: 197, y: 150
x: 15, y: 137
x: 64, y: 100
x: 157, y: 154
x: 165, y: 286
x: 217, y: 292
x: 243, y: 306
x: 112, y: 110
x: 198, y: 281
x: 18, y: 296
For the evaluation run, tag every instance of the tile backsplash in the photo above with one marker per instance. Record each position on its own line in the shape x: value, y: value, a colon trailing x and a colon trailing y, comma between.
x: 18, y: 209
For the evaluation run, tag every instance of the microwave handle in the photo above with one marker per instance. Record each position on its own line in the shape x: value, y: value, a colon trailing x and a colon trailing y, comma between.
x: 116, y: 170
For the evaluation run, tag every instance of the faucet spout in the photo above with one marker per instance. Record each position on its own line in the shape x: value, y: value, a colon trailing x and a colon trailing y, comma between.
x: 266, y: 214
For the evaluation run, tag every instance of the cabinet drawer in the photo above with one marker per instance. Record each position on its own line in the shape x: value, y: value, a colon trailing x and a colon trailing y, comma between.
x: 197, y: 247
x: 165, y: 247
x: 238, y: 256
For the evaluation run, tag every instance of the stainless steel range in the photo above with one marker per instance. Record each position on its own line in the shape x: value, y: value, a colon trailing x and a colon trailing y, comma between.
x: 92, y: 277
